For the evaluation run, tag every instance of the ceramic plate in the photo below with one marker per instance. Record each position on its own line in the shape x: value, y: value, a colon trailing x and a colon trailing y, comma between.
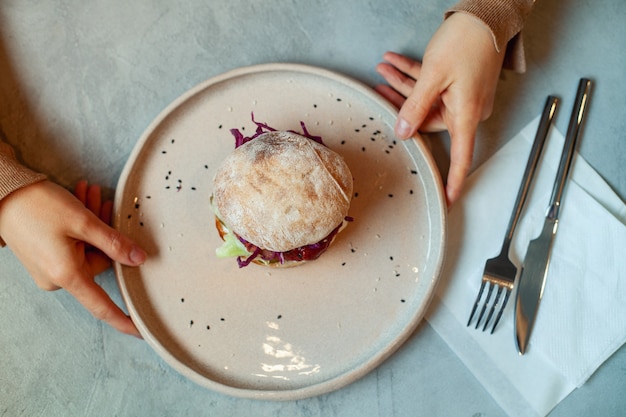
x: 290, y: 333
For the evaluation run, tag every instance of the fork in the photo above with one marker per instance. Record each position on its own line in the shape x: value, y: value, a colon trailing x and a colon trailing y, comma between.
x: 500, y: 272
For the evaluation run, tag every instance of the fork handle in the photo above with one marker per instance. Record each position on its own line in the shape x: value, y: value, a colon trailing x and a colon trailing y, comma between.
x: 549, y: 111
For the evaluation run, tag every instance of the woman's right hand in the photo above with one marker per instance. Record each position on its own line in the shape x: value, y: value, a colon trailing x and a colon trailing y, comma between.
x: 64, y: 241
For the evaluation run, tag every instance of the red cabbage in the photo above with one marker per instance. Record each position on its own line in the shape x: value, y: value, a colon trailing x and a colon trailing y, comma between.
x: 262, y: 128
x: 303, y: 253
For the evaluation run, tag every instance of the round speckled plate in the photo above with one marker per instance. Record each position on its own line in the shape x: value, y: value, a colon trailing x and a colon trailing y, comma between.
x: 279, y: 334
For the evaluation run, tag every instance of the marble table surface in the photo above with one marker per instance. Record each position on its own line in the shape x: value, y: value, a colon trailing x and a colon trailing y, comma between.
x: 79, y: 83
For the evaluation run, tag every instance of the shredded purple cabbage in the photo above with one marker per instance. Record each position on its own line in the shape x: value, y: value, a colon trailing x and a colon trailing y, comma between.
x: 262, y: 128
x: 303, y: 253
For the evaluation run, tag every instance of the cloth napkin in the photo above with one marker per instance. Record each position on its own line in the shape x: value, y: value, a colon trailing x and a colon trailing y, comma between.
x: 582, y: 316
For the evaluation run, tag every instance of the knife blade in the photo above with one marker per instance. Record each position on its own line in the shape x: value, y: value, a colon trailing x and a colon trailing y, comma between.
x: 536, y: 264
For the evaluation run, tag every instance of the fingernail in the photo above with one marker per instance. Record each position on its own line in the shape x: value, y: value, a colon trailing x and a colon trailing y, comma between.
x: 137, y: 255
x: 403, y: 129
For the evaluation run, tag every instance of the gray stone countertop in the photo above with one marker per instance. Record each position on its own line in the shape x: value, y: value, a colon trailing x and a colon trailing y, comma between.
x: 79, y: 83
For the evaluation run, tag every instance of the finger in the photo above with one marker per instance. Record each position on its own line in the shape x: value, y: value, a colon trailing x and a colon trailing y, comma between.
x: 391, y: 95
x: 80, y: 191
x: 98, y: 303
x: 462, y: 135
x: 396, y: 79
x: 110, y: 241
x: 403, y: 63
x: 106, y: 212
x: 434, y: 121
x: 417, y: 106
x: 94, y: 199
x: 98, y: 261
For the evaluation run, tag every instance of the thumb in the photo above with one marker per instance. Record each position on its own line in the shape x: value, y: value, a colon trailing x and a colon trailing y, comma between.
x: 113, y: 243
x: 416, y: 107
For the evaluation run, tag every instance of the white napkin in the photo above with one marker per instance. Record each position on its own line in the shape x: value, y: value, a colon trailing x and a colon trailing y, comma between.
x: 582, y: 317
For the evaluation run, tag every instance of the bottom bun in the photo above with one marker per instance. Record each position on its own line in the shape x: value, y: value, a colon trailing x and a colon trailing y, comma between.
x: 285, y: 264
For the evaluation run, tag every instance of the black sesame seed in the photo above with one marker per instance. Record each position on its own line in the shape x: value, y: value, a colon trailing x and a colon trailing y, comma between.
x: 371, y: 118
x: 182, y: 300
x: 280, y: 316
x: 190, y: 322
x: 173, y: 140
x: 136, y: 205
x: 357, y: 130
x: 356, y: 195
x: 403, y: 300
x: 343, y: 142
x: 208, y: 327
x: 387, y: 151
x: 315, y: 106
x: 163, y: 151
x: 414, y: 172
x: 363, y: 149
x: 411, y: 192
x: 130, y: 215
x: 343, y: 264
x: 338, y: 99
x: 219, y: 127
x: 148, y: 196
x: 167, y: 187
x: 206, y: 167
x: 352, y: 250
x: 363, y: 125
x: 373, y: 139
x: 222, y: 319
x: 193, y: 188
x: 391, y: 258
x: 141, y: 224
x: 390, y: 195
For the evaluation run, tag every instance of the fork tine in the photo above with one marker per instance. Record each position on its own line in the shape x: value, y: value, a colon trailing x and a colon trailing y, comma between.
x: 493, y: 307
x: 482, y: 311
x: 480, y: 293
x: 506, y: 298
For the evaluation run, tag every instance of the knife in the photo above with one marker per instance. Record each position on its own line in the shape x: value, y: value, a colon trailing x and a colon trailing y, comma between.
x: 532, y: 279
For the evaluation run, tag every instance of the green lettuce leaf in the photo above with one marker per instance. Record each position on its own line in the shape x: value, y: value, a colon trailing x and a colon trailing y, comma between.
x: 232, y: 247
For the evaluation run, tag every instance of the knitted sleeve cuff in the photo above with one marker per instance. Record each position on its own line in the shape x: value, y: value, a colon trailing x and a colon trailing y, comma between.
x: 505, y: 19
x: 13, y: 175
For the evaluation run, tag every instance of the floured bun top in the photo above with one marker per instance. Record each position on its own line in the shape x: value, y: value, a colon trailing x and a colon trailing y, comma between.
x: 282, y: 191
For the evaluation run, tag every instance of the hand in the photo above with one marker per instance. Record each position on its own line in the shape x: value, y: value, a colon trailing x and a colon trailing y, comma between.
x: 65, y: 241
x: 452, y: 89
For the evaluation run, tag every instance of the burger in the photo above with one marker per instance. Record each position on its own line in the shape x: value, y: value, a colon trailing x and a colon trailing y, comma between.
x: 280, y: 198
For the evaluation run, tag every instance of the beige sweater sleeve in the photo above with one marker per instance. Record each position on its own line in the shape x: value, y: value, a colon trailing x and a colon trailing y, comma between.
x: 13, y: 175
x: 505, y: 19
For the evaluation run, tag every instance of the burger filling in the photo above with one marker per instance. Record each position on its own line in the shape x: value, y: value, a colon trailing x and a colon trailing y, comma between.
x: 246, y: 252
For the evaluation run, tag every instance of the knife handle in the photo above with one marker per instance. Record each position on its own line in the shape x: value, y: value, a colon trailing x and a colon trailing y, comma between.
x: 547, y: 116
x: 573, y: 132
